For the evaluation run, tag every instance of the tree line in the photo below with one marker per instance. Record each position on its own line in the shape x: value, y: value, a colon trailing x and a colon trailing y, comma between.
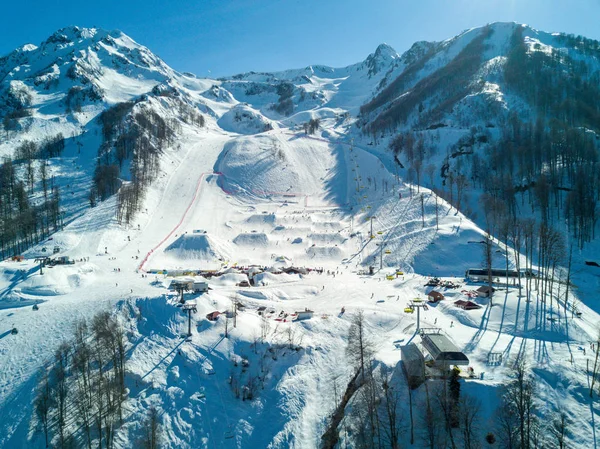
x: 440, y: 414
x: 24, y: 222
x: 453, y: 79
x: 80, y: 395
x: 136, y: 133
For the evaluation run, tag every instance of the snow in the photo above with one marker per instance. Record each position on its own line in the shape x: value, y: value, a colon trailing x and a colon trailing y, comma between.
x: 242, y: 119
x: 232, y: 195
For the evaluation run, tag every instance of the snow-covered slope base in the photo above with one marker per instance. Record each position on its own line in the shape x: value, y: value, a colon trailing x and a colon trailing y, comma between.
x: 210, y: 213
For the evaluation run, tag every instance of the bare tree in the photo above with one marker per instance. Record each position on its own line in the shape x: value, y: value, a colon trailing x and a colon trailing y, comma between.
x: 151, y: 426
x: 360, y: 348
x: 470, y: 408
x: 461, y: 183
x: 391, y: 412
x: 487, y: 261
x: 265, y: 326
x: 516, y: 239
x: 519, y: 398
x: 60, y: 389
x: 508, y: 426
x: 43, y: 404
x: 596, y: 365
x: 558, y: 428
x: 431, y: 420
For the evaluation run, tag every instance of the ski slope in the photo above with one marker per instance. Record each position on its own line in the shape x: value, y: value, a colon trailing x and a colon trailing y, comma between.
x: 233, y: 195
x: 311, y: 211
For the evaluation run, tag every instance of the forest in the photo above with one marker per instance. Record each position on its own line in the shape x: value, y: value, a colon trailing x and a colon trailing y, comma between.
x: 372, y: 410
x: 23, y: 221
x: 136, y: 133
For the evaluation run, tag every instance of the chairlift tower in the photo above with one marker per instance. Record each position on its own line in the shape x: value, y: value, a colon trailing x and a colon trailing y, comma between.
x: 381, y: 249
x: 42, y: 261
x: 418, y: 304
x: 190, y: 307
x: 371, y: 235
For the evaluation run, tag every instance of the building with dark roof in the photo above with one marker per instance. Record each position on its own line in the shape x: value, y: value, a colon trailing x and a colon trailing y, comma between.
x: 485, y: 291
x: 443, y: 351
x: 413, y: 365
x: 434, y: 296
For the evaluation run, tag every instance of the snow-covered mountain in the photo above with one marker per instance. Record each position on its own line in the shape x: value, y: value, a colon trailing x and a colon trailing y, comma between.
x: 143, y: 175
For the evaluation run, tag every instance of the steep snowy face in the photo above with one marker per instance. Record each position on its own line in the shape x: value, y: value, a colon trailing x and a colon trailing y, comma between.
x: 83, y: 55
x: 76, y: 68
x: 382, y: 59
x: 467, y: 79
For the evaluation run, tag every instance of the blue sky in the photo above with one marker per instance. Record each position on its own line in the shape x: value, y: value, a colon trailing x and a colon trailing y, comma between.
x: 224, y: 37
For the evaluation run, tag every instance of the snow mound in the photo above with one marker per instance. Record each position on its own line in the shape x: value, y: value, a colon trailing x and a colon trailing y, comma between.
x: 242, y: 119
x: 326, y: 238
x: 193, y: 247
x: 327, y: 252
x: 229, y: 279
x: 59, y: 280
x: 261, y: 219
x: 267, y: 278
x: 193, y: 251
x: 253, y: 294
x: 252, y: 239
x: 276, y: 164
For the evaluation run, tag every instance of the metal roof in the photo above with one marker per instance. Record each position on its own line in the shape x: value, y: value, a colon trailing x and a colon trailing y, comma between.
x: 443, y: 350
x: 411, y: 352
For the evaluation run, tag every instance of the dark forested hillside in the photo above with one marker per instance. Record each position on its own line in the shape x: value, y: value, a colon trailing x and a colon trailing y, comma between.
x: 513, y: 118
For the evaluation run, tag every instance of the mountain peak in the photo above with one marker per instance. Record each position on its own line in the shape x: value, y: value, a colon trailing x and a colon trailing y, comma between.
x: 383, y: 56
x: 385, y: 50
